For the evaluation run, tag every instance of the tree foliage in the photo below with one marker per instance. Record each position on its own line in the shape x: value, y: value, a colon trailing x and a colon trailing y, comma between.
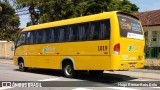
x: 42, y: 11
x: 9, y: 21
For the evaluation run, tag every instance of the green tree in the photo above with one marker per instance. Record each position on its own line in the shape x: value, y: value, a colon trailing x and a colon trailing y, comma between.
x: 42, y: 11
x: 127, y: 6
x: 31, y: 5
x: 9, y: 21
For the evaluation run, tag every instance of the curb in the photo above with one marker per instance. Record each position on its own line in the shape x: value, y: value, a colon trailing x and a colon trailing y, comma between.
x: 6, y: 62
x: 138, y: 74
x: 145, y: 70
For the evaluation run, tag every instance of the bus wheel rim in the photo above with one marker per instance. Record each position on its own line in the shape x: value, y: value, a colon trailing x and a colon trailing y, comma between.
x: 68, y: 70
x: 21, y: 65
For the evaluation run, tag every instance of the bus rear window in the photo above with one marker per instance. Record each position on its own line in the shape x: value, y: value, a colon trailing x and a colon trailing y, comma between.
x: 130, y: 27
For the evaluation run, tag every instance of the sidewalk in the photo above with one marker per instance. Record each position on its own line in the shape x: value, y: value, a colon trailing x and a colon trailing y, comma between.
x: 140, y: 73
x: 6, y: 61
x: 145, y: 70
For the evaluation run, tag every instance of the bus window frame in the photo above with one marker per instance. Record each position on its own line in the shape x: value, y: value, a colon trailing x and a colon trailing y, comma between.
x: 74, y: 27
x: 24, y: 42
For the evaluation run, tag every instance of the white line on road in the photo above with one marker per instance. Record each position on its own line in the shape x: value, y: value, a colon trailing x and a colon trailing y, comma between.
x: 81, y: 89
x: 121, y: 88
x: 51, y: 79
x: 4, y: 88
x: 156, y: 87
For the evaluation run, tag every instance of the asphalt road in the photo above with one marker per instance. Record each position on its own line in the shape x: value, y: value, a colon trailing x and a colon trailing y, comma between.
x: 56, y: 81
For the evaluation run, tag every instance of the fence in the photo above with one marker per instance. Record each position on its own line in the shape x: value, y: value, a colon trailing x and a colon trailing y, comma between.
x: 152, y: 52
x: 6, y: 50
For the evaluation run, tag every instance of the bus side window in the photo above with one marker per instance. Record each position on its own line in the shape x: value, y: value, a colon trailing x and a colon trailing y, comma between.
x: 48, y: 35
x: 44, y: 36
x: 69, y: 34
x: 94, y: 30
x: 21, y: 39
x: 56, y: 35
x: 61, y: 34
x: 107, y: 36
x: 104, y: 29
x: 75, y: 32
x: 82, y: 31
x: 39, y: 35
x: 28, y: 37
x: 51, y: 35
x: 72, y: 31
x: 32, y: 38
x: 90, y: 31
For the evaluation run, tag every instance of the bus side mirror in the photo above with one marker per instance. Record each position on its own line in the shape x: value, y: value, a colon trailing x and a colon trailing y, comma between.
x: 12, y: 48
x: 15, y: 41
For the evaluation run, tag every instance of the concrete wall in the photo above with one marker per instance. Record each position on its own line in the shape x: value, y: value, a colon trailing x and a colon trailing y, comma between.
x: 6, y: 50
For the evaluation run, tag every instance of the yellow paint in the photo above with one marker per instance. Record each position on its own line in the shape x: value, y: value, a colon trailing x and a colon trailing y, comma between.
x: 85, y: 54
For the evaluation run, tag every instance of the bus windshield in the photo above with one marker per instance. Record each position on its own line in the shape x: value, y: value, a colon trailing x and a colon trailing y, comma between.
x: 130, y: 27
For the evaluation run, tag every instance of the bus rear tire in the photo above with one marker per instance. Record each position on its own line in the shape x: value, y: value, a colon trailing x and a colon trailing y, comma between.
x: 96, y: 72
x: 22, y: 68
x: 68, y: 70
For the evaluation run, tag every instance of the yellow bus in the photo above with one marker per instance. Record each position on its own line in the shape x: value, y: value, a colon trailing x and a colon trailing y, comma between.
x: 105, y: 41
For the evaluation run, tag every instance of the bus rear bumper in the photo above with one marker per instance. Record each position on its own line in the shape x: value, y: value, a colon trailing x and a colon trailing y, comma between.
x: 128, y: 65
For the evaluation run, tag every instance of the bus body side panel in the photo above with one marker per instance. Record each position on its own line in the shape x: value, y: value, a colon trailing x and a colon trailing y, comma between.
x: 21, y: 52
x: 92, y: 62
x: 87, y: 55
x: 82, y: 62
x: 15, y: 60
x: 38, y: 58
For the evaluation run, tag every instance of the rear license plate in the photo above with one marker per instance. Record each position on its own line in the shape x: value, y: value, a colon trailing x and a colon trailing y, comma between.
x: 132, y: 64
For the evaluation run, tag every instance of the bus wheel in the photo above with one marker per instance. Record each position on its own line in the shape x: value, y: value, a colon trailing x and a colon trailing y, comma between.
x: 21, y: 67
x: 68, y: 70
x: 96, y: 72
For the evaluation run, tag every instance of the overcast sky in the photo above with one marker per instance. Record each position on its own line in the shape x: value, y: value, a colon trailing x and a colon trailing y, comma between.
x: 144, y: 5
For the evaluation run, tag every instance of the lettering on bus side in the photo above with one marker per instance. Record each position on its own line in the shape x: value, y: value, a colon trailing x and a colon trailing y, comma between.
x: 102, y: 48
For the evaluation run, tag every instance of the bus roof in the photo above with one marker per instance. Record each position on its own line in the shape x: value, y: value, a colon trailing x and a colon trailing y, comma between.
x: 75, y: 20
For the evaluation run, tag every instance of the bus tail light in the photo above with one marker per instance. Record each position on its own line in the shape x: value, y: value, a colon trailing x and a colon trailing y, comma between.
x: 117, y: 48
